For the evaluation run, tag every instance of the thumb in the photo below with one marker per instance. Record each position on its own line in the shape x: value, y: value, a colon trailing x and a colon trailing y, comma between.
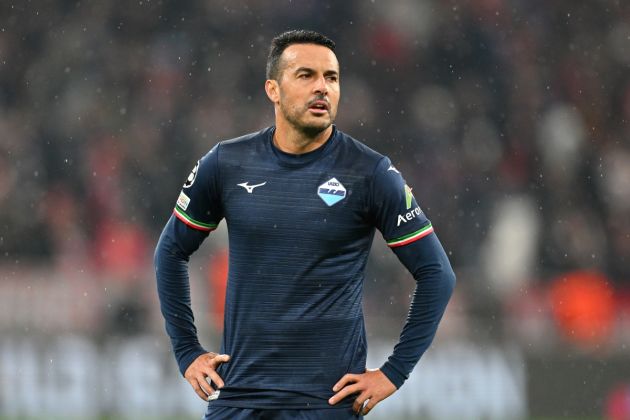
x: 222, y: 358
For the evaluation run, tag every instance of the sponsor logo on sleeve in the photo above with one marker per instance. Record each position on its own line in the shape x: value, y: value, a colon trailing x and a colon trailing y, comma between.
x: 191, y: 178
x: 409, y: 216
x: 408, y: 197
x: 183, y: 200
x: 331, y: 191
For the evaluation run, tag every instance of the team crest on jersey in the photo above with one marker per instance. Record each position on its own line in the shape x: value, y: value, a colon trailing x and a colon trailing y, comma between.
x: 331, y: 191
x: 191, y: 178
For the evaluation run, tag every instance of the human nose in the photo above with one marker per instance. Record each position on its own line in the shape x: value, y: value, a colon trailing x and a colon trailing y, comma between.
x: 320, y: 87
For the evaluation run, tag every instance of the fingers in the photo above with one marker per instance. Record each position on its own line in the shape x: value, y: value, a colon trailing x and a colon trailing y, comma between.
x: 204, y: 385
x: 370, y: 388
x: 202, y: 368
x: 357, y: 406
x: 198, y: 390
x: 213, y: 360
x: 220, y: 358
x: 214, y: 376
x: 370, y: 405
x: 348, y: 390
x: 347, y: 378
x: 215, y: 363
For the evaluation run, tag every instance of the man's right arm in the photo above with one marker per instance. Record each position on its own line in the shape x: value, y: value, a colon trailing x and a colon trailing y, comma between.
x: 172, y: 253
x: 197, y: 212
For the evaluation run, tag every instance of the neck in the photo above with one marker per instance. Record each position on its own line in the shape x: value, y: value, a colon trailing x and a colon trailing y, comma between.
x: 291, y: 140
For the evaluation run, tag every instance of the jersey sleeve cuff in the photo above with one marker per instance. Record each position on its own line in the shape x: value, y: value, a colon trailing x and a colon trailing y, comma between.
x: 190, y: 356
x: 393, y: 374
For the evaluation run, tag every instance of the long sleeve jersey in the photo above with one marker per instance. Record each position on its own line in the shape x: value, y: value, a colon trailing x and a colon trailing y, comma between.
x: 300, y: 229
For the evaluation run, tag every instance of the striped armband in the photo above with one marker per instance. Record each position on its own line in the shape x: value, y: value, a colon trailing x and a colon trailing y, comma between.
x: 411, y: 237
x: 189, y: 221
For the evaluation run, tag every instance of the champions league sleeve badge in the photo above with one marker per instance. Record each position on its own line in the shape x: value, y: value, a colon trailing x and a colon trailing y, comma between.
x: 191, y: 178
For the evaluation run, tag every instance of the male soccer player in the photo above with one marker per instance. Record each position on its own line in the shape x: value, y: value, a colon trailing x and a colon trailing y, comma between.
x: 301, y: 201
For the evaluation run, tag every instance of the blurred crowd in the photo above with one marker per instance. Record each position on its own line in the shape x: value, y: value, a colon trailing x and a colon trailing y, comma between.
x: 508, y: 118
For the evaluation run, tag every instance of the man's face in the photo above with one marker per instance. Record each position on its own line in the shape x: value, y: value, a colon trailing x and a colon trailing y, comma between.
x: 308, y: 87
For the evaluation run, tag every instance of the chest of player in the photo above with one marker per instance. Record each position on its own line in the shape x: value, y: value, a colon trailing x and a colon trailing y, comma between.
x: 290, y: 204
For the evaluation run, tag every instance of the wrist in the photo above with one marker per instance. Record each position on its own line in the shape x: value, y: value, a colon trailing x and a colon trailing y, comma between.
x: 394, y: 375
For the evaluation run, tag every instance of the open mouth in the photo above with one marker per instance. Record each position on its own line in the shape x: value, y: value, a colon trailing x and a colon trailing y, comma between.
x: 319, y: 106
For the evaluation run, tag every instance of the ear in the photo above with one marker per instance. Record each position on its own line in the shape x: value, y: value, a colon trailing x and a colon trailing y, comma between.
x: 273, y: 90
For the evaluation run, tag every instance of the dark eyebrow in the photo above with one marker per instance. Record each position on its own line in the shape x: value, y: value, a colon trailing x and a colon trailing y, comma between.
x: 305, y: 69
x: 310, y: 70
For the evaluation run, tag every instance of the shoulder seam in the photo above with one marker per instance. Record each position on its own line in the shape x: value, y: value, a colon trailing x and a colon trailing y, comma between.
x: 372, y: 176
x: 219, y: 182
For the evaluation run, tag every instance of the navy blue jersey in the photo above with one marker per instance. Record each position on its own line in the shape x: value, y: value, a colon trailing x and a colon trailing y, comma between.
x: 300, y: 229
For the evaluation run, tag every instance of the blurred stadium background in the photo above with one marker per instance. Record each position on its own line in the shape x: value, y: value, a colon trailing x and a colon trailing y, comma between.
x: 509, y: 118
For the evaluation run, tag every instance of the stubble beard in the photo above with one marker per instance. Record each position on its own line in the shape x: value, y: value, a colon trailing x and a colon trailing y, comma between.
x: 310, y: 130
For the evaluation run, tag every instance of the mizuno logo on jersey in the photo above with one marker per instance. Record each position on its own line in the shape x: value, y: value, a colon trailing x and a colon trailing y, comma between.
x: 331, y: 191
x: 250, y: 188
x: 392, y: 168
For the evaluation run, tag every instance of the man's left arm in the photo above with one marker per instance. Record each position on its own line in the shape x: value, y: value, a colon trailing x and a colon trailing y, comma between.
x: 427, y: 262
x: 412, y: 238
x: 435, y: 280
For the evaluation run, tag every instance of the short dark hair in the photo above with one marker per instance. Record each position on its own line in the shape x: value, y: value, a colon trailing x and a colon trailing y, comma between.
x: 285, y: 39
